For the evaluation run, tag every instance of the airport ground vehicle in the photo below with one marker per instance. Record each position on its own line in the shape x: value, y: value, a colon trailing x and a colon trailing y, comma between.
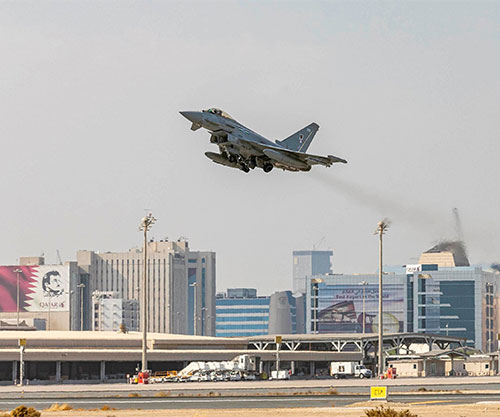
x: 282, y: 374
x: 349, y: 369
x: 235, y: 376
x: 142, y: 377
x: 242, y: 367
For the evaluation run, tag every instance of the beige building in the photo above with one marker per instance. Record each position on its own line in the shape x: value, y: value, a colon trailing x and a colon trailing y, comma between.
x: 181, y: 284
x: 446, y: 254
x: 453, y: 363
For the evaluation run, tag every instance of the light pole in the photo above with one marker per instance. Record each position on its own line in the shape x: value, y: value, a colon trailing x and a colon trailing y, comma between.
x: 50, y: 302
x: 146, y: 224
x: 315, y: 282
x: 178, y: 321
x: 364, y: 284
x: 194, y: 285
x: 17, y: 271
x: 382, y: 227
x: 203, y: 312
x: 81, y: 286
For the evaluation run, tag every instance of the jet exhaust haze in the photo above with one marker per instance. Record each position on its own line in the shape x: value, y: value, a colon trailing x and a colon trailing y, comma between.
x: 396, y: 208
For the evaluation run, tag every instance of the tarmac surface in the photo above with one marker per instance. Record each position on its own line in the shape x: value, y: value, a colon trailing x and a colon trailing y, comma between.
x: 341, y: 385
x: 253, y: 394
x: 239, y: 402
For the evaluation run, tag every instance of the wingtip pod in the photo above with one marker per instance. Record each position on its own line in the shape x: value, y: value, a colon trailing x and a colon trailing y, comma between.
x: 336, y: 159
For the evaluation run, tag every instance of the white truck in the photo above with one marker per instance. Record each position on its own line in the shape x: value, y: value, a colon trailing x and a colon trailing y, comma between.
x: 349, y: 369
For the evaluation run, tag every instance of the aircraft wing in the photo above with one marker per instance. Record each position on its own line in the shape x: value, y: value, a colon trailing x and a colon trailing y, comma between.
x: 301, y: 156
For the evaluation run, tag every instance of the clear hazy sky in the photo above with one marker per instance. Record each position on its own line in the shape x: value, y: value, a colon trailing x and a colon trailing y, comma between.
x: 407, y: 92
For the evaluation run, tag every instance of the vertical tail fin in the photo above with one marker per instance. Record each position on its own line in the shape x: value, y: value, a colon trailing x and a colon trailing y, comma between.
x: 301, y: 140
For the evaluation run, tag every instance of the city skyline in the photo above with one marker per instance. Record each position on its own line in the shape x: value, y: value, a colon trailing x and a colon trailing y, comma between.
x: 407, y: 93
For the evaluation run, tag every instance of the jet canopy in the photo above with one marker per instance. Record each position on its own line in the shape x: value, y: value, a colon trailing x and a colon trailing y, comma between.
x: 219, y: 112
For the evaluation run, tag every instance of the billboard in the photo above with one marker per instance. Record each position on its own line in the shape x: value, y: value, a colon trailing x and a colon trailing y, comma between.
x: 340, y: 308
x: 41, y: 287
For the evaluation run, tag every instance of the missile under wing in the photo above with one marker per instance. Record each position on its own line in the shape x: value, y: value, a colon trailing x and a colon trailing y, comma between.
x: 240, y: 147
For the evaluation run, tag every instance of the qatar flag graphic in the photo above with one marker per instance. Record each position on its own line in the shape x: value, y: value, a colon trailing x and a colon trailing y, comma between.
x: 38, y: 286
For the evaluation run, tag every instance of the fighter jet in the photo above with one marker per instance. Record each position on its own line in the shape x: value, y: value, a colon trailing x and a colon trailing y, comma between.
x: 240, y: 147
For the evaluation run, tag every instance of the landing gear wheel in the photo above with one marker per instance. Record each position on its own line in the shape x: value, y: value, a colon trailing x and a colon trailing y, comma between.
x: 268, y: 167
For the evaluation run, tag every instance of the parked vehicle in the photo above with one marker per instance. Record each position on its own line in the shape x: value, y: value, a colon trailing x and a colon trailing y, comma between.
x: 235, y: 376
x: 349, y: 369
x: 195, y: 377
x: 282, y: 374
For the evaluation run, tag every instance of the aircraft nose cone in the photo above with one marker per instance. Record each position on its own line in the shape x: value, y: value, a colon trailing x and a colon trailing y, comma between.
x: 193, y: 116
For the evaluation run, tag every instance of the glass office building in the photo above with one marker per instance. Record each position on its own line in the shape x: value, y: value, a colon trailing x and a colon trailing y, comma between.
x: 458, y: 301
x: 240, y: 312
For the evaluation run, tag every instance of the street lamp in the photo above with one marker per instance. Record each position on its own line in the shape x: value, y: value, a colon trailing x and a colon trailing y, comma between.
x: 382, y: 227
x: 364, y: 284
x: 50, y: 302
x: 178, y: 322
x: 17, y: 271
x: 315, y: 282
x: 203, y: 312
x: 146, y: 224
x: 194, y: 285
x: 81, y: 286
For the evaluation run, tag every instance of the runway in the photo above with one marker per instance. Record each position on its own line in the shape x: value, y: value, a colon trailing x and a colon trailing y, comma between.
x: 236, y: 402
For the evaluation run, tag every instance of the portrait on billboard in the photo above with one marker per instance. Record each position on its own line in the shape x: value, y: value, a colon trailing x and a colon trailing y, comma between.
x: 40, y: 288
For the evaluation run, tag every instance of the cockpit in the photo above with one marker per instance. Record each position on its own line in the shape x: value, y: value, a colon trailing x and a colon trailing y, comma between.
x: 219, y: 112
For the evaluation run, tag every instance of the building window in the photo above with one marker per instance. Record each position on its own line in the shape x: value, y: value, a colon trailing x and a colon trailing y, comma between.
x: 414, y: 366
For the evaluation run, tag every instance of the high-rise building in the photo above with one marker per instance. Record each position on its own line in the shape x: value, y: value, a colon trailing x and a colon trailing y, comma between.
x: 111, y: 313
x: 181, y: 284
x: 240, y: 312
x: 459, y: 301
x: 307, y: 263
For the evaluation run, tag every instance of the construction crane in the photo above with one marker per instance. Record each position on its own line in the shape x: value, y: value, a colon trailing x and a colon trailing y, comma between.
x: 318, y: 244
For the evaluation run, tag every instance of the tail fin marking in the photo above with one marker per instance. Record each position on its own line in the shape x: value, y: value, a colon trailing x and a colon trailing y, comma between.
x: 300, y: 140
